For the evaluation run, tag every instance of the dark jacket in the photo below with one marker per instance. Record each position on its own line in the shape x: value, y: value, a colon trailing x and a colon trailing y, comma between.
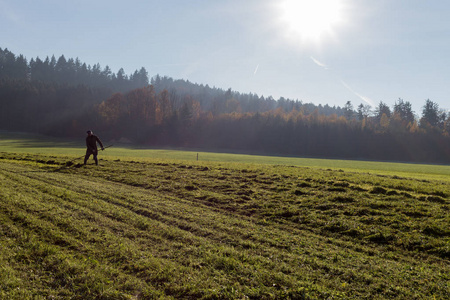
x: 91, y: 142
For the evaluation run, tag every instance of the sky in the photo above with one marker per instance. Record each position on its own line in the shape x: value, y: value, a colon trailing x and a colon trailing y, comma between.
x: 318, y: 51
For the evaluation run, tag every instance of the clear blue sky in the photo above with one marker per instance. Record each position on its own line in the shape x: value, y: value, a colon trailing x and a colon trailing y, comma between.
x: 363, y: 51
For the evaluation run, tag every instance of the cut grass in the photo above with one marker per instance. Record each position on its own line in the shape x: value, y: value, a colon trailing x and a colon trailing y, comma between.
x: 138, y: 228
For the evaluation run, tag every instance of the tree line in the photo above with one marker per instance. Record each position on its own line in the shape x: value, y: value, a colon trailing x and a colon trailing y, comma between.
x: 68, y: 71
x: 157, y: 119
x: 66, y: 100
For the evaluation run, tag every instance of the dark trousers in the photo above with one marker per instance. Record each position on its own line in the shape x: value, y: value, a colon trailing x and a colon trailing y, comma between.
x: 88, y: 153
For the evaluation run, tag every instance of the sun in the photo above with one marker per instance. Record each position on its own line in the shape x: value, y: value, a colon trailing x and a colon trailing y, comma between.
x: 310, y: 20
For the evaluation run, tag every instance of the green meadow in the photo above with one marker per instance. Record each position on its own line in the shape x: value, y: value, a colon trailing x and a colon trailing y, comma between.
x: 174, y: 224
x: 35, y: 144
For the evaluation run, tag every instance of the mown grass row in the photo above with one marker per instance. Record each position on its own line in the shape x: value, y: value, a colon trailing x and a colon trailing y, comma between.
x: 171, y: 229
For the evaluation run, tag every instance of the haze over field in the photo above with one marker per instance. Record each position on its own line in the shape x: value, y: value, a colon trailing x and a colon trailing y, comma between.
x: 262, y: 149
x: 325, y: 52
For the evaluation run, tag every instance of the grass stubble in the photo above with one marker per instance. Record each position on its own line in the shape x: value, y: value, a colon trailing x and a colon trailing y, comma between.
x: 160, y: 228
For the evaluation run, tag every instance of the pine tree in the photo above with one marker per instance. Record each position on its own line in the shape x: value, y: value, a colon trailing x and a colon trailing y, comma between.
x: 430, y: 114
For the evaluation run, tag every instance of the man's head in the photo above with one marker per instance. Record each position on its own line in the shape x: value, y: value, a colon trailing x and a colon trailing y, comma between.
x: 89, y: 132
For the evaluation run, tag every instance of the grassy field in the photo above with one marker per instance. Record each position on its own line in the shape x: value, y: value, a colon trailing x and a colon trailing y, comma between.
x: 159, y: 224
x: 35, y: 144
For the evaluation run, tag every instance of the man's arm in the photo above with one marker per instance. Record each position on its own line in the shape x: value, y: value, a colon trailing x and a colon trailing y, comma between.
x: 100, y: 143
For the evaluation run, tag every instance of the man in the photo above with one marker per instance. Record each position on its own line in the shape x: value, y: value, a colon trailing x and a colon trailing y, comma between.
x: 91, y: 144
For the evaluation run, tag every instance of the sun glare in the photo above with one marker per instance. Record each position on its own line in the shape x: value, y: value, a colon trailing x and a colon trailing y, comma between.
x: 310, y: 20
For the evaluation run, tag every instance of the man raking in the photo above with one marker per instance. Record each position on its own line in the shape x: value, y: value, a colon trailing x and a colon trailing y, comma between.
x: 91, y: 144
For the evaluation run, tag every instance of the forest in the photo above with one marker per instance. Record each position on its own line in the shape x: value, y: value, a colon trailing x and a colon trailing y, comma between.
x: 65, y: 97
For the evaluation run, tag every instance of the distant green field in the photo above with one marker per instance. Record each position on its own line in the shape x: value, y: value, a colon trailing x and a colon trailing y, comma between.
x: 26, y: 143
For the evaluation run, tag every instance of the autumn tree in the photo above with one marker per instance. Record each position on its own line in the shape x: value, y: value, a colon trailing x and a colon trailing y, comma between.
x: 446, y: 130
x: 165, y: 106
x: 113, y: 108
x: 381, y: 109
x: 142, y: 105
x: 404, y: 110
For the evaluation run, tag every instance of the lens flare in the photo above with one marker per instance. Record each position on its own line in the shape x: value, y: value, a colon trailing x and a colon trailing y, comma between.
x: 310, y: 20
